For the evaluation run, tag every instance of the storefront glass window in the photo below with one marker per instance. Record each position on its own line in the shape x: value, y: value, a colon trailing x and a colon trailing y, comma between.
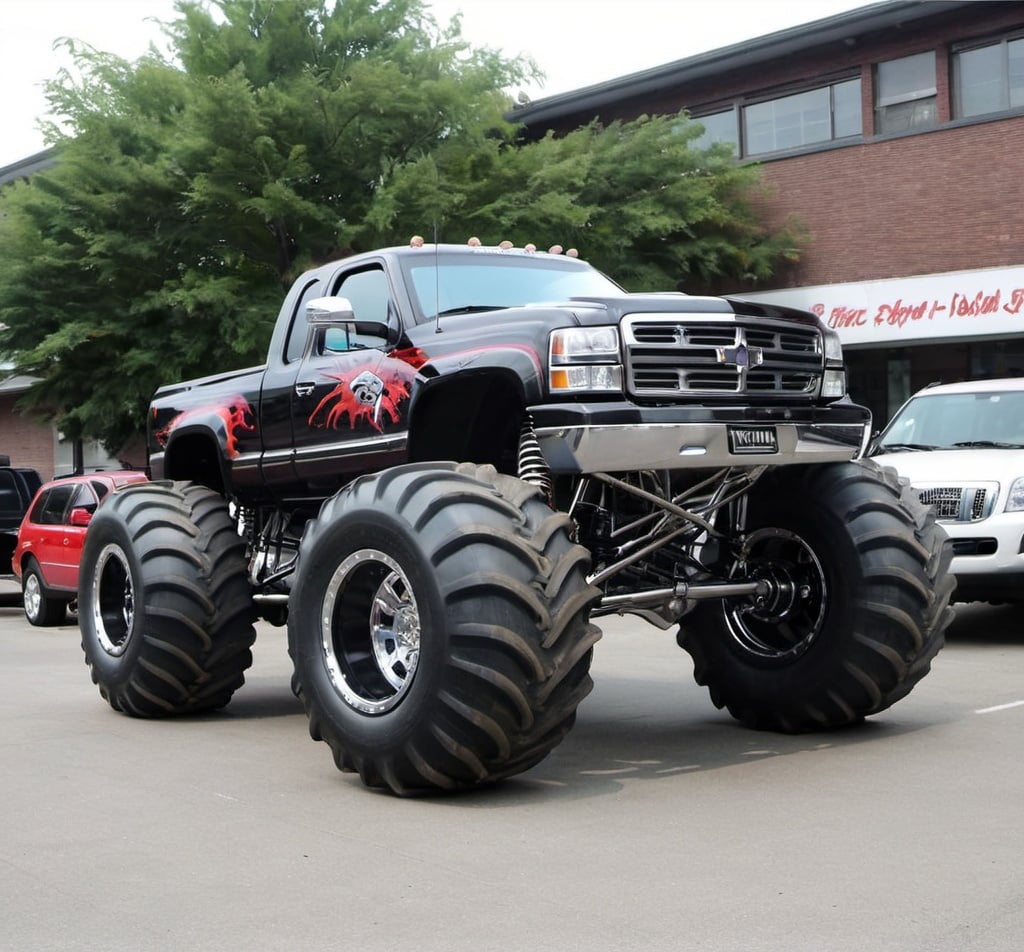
x: 899, y: 389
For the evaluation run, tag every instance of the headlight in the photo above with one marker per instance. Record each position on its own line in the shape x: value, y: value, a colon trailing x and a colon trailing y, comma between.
x: 584, y: 358
x: 584, y: 343
x: 833, y: 383
x: 1015, y: 498
x: 833, y: 349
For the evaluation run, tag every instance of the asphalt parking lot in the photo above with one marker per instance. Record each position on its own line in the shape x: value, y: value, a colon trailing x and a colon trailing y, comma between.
x: 659, y: 824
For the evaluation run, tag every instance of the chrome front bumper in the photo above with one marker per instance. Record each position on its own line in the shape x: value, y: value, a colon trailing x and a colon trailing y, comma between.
x: 621, y: 447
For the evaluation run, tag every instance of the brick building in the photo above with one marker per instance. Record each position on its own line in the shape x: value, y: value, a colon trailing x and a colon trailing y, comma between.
x: 27, y: 442
x: 895, y: 133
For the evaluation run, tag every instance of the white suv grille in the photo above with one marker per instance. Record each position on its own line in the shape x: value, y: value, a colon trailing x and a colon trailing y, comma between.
x: 958, y: 503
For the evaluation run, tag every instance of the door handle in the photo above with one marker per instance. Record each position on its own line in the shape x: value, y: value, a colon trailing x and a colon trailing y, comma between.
x: 304, y: 389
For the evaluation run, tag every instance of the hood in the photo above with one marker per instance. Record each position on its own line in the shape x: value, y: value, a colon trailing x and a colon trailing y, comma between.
x: 955, y: 467
x: 676, y: 302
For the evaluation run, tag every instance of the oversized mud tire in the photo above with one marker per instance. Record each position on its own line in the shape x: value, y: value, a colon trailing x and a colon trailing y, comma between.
x: 860, y: 604
x: 40, y: 609
x: 439, y: 627
x: 165, y: 609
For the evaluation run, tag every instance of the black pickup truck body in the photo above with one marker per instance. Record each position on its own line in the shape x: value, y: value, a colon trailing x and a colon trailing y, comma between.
x: 702, y: 381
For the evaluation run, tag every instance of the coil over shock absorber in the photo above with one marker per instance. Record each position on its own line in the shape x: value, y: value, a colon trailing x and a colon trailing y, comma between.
x: 532, y: 466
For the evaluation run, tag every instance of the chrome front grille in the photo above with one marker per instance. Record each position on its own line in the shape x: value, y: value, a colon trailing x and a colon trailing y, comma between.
x: 683, y: 355
x: 959, y: 503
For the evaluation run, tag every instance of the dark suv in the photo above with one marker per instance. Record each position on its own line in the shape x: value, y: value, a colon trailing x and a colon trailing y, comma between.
x: 18, y: 484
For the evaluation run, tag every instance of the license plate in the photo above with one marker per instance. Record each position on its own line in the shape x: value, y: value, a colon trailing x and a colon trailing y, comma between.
x: 753, y: 439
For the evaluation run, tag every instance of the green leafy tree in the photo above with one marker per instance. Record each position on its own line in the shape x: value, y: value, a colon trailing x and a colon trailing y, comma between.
x: 191, y: 189
x: 637, y: 199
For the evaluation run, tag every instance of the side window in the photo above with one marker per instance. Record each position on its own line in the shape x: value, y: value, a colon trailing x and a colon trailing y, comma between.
x: 367, y: 291
x: 36, y: 514
x: 52, y: 512
x: 10, y: 499
x: 100, y: 489
x: 84, y: 498
x: 296, y: 343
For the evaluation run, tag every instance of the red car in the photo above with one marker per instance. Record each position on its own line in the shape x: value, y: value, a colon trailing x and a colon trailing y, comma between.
x: 50, y: 540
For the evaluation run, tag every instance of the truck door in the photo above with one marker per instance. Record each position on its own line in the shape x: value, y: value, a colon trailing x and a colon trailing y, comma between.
x: 278, y: 451
x: 349, y: 400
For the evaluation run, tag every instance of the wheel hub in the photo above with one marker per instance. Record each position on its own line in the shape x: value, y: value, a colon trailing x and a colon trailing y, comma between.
x: 395, y: 632
x: 785, y: 621
x: 370, y: 631
x: 33, y: 596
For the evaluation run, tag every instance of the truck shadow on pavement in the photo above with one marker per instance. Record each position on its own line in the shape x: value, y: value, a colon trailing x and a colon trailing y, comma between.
x: 605, y: 755
x: 626, y: 734
x: 261, y: 698
x: 629, y: 730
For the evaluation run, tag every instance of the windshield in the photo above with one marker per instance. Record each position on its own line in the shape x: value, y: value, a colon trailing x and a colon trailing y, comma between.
x: 946, y: 420
x: 460, y: 283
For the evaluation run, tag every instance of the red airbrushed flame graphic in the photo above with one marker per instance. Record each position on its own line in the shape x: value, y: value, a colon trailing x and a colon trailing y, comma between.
x: 366, y: 393
x: 237, y: 419
x: 235, y: 412
x: 412, y: 356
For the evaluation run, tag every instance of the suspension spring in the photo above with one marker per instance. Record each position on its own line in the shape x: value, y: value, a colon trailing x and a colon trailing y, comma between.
x: 533, y: 468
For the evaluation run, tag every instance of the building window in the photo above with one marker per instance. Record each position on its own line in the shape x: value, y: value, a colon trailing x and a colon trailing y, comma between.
x: 905, y: 94
x: 718, y: 127
x: 846, y: 116
x: 989, y: 78
x: 817, y: 115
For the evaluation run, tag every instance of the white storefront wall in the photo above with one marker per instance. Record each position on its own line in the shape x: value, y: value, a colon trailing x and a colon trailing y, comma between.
x: 927, y: 307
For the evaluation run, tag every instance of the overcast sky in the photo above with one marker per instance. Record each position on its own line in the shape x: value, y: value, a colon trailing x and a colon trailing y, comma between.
x: 575, y: 42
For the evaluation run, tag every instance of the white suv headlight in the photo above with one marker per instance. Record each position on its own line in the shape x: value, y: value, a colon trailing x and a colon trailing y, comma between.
x: 1015, y: 498
x: 584, y: 358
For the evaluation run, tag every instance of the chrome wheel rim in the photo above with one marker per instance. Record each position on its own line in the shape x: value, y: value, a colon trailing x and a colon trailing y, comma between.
x: 32, y: 596
x: 113, y: 606
x: 783, y: 624
x: 370, y: 631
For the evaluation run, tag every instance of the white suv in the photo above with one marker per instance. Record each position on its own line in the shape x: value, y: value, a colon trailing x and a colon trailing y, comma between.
x: 961, y: 445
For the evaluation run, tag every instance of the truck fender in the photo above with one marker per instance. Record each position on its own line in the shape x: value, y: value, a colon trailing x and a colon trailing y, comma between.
x: 518, y: 362
x: 198, y: 452
x: 469, y: 417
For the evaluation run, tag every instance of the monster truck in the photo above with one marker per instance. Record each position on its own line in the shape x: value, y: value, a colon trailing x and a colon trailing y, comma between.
x: 454, y: 459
